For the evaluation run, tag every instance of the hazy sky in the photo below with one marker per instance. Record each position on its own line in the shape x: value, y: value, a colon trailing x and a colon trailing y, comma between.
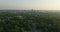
x: 30, y: 4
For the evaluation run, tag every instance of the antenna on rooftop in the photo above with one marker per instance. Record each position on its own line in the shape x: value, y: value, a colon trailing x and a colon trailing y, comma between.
x: 32, y: 9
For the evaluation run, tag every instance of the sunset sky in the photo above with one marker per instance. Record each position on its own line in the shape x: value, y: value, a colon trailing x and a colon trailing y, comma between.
x: 30, y: 4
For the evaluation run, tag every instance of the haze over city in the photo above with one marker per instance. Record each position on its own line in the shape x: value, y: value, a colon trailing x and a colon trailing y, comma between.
x: 30, y: 4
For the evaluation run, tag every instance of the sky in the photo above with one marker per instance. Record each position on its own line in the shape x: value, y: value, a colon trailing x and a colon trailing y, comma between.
x: 30, y: 4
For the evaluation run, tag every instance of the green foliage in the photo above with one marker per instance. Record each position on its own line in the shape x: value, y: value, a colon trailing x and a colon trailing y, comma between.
x: 29, y: 22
